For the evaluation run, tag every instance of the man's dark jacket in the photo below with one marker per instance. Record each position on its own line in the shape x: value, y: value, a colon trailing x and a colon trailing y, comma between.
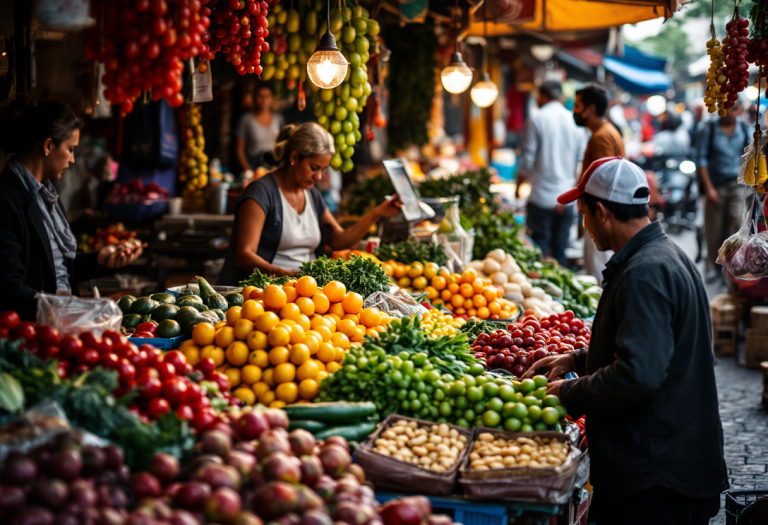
x: 26, y: 259
x: 648, y: 387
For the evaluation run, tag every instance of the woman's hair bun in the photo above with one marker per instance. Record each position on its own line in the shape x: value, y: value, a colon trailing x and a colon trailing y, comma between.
x: 308, y: 139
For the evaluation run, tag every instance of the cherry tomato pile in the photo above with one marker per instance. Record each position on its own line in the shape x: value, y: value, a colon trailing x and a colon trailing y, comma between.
x: 143, y: 45
x: 736, y: 68
x: 527, y: 341
x: 238, y: 29
x: 164, y: 381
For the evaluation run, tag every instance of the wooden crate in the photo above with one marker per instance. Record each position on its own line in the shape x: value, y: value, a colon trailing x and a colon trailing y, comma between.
x: 757, y: 348
x: 725, y: 311
x: 725, y: 339
x: 759, y: 319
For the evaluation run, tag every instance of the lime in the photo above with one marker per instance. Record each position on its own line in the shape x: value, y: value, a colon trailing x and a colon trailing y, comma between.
x: 348, y: 34
x: 267, y: 58
x: 347, y: 165
x: 508, y: 409
x: 268, y: 72
x: 351, y: 139
x: 479, y: 407
x: 362, y: 45
x: 347, y: 14
x: 474, y: 394
x: 530, y: 401
x: 445, y: 409
x: 551, y: 401
x: 292, y: 22
x: 416, y: 405
x: 293, y: 72
x: 490, y: 389
x: 462, y: 403
x: 310, y: 22
x: 512, y: 424
x: 335, y: 128
x: 308, y: 45
x: 330, y: 108
x: 550, y: 415
x: 323, y: 121
x: 336, y: 22
x: 469, y: 414
x: 561, y: 410
x: 361, y: 27
x: 358, y: 76
x: 534, y: 413
x: 355, y: 59
x: 495, y: 404
x: 527, y: 385
x: 507, y: 392
x: 361, y: 104
x: 432, y: 376
x: 351, y: 103
x: 481, y: 379
x: 355, y: 120
x: 341, y: 113
x: 476, y: 369
x: 343, y: 91
x: 294, y: 42
x: 340, y: 139
x: 491, y: 418
x: 373, y: 27
x: 326, y: 95
x: 439, y: 395
x: 540, y: 381
x: 520, y: 411
x: 461, y: 422
x: 357, y: 91
x: 540, y: 393
x: 365, y: 57
x: 540, y: 426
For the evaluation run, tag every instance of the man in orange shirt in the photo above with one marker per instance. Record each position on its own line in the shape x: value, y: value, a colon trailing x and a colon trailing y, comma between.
x: 589, y: 110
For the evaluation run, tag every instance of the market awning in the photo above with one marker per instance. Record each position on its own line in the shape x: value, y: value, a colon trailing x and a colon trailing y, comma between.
x: 568, y: 15
x: 638, y: 73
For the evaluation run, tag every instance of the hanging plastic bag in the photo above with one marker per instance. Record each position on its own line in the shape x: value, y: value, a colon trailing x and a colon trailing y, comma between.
x: 73, y: 315
x: 745, y: 254
x: 397, y: 303
x: 747, y: 169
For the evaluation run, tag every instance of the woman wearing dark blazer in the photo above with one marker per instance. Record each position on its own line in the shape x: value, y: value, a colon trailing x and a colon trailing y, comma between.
x: 38, y: 252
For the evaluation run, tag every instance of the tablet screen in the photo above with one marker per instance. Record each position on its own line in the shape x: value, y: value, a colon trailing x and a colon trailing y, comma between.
x: 398, y: 174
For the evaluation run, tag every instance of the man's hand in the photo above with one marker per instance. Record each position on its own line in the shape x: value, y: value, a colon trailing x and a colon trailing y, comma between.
x: 116, y: 257
x: 712, y: 197
x: 557, y: 365
x: 553, y: 388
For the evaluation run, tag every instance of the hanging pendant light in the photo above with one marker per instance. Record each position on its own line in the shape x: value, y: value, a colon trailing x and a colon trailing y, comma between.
x: 456, y: 76
x: 327, y: 67
x: 485, y: 92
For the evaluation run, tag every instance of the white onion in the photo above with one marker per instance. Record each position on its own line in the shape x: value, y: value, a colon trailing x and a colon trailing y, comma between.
x: 497, y: 254
x: 509, y: 268
x: 512, y: 288
x: 476, y: 265
x: 499, y: 278
x: 491, y: 266
x: 526, y: 288
x: 518, y: 278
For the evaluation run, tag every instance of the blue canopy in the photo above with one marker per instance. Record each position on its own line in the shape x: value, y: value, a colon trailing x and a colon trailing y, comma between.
x: 638, y: 73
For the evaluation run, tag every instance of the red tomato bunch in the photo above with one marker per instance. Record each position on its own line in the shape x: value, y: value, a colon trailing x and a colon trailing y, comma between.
x: 527, y: 341
x: 238, y: 29
x: 143, y: 45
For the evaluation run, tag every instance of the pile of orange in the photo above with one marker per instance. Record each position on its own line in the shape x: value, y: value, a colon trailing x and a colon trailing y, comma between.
x: 468, y: 295
x: 412, y: 277
x: 276, y: 349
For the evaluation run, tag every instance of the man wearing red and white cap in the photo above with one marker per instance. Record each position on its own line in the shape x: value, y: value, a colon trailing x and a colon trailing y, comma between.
x: 647, y: 382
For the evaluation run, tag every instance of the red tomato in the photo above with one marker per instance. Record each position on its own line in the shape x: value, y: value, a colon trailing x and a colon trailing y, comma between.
x: 89, y: 357
x: 9, y: 320
x: 117, y: 338
x: 79, y: 369
x: 175, y: 391
x: 31, y: 346
x: 149, y: 387
x: 4, y: 332
x: 204, y: 402
x: 126, y: 372
x: 194, y: 393
x: 48, y: 336
x: 204, y: 418
x: 150, y: 327
x: 70, y: 347
x: 221, y: 380
x: 124, y: 390
x: 50, y: 352
x: 139, y: 359
x: 185, y: 412
x: 63, y: 369
x: 158, y: 407
x: 154, y: 355
x: 178, y: 361
x: 89, y: 340
x: 166, y: 371
x: 144, y: 335
x: 147, y: 371
x: 206, y: 366
x: 25, y: 330
x: 109, y: 361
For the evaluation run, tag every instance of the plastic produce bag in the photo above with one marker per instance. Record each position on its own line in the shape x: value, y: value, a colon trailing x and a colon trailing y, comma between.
x: 73, y: 315
x: 396, y: 302
x: 747, y: 169
x: 33, y: 428
x: 745, y: 254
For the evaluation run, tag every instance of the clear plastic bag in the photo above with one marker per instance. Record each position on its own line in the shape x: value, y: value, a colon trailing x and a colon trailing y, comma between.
x: 747, y: 169
x: 745, y: 254
x: 73, y: 315
x: 396, y: 302
x: 33, y: 428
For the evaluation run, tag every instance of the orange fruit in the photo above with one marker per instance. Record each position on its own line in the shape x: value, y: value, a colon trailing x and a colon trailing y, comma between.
x: 259, y: 358
x: 214, y: 352
x: 352, y: 317
x: 279, y: 355
x: 494, y: 307
x: 247, y: 292
x: 420, y: 282
x: 467, y: 303
x: 192, y: 353
x: 372, y: 332
x: 340, y: 340
x: 304, y: 322
x: 274, y: 297
x: 243, y: 328
x: 257, y: 340
x: 460, y: 311
x: 339, y: 354
x: 287, y: 392
x: 359, y: 334
x: 307, y: 370
x: 250, y: 374
x: 220, y: 324
x: 203, y: 334
x: 326, y: 352
x: 415, y: 270
x: 285, y: 372
x: 400, y: 271
x: 290, y: 293
x: 334, y: 291
x: 352, y: 303
x: 490, y: 293
x: 332, y: 367
x: 306, y: 305
x: 453, y: 288
x: 430, y: 270
x: 478, y: 285
x: 318, y: 321
x: 468, y: 276
x: 404, y: 282
x: 446, y: 295
x: 438, y: 282
x: 467, y: 290
x: 299, y: 354
x: 431, y: 292
x: 233, y: 374
x: 290, y: 311
x: 279, y: 336
x: 346, y: 327
x: 233, y: 315
x: 251, y: 310
x: 478, y: 301
x: 312, y: 342
x: 483, y: 312
x: 370, y: 317
x: 321, y: 303
x: 337, y: 309
x: 387, y: 269
x: 237, y: 353
x: 457, y: 301
x: 472, y: 312
x: 225, y: 337
x: 308, y: 389
x: 267, y: 398
x: 259, y: 388
x: 277, y: 404
x: 322, y: 374
x: 256, y: 294
x: 245, y: 395
x: 297, y: 334
x: 325, y: 332
x: 266, y: 321
x: 306, y: 286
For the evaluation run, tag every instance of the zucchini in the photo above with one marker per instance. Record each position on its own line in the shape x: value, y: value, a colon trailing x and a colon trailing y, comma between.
x: 307, y: 424
x: 334, y: 412
x: 206, y: 290
x: 356, y: 432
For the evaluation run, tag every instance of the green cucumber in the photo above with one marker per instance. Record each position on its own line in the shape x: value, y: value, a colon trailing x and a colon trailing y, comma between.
x: 307, y: 424
x: 206, y: 290
x: 11, y: 393
x: 357, y: 432
x: 333, y: 412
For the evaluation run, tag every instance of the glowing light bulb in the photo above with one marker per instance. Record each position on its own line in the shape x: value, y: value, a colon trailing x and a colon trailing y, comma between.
x: 456, y: 76
x: 485, y: 92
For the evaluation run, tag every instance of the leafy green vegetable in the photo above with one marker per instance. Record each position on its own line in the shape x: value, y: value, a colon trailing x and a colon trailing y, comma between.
x: 412, y: 251
x: 473, y: 188
x: 473, y: 328
x: 500, y: 230
x: 360, y: 274
x: 260, y: 280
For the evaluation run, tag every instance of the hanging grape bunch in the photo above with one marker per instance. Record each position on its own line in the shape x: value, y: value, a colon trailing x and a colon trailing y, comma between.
x: 736, y: 68
x: 193, y: 162
x: 143, y: 45
x: 714, y: 98
x: 238, y: 29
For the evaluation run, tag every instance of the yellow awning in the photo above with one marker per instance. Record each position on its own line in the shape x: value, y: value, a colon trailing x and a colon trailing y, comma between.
x: 574, y: 15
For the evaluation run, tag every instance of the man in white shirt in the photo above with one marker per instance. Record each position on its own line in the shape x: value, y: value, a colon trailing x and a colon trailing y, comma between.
x: 552, y: 149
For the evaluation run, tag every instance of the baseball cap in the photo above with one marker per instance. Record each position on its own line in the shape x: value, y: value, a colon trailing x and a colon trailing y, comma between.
x: 613, y: 179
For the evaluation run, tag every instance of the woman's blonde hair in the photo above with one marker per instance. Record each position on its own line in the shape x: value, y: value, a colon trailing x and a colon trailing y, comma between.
x: 308, y: 140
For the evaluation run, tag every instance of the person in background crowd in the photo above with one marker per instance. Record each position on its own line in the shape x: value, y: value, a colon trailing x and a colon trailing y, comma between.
x: 719, y: 147
x: 552, y: 147
x: 672, y: 140
x: 647, y: 382
x: 38, y: 252
x: 590, y: 111
x: 257, y: 129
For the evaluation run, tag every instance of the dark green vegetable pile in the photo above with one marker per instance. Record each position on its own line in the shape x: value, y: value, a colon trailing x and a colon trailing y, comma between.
x: 412, y: 251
